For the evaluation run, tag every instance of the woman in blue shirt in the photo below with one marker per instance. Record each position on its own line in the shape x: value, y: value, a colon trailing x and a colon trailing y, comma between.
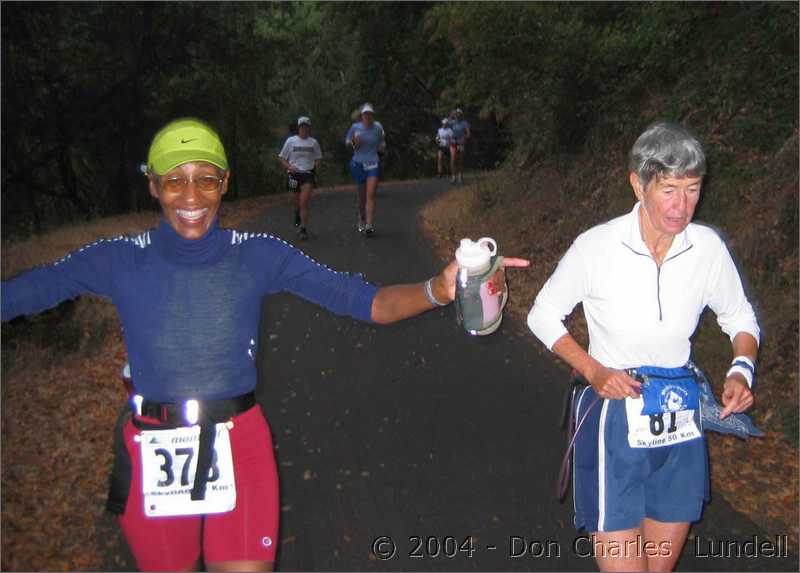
x: 368, y: 141
x: 194, y: 475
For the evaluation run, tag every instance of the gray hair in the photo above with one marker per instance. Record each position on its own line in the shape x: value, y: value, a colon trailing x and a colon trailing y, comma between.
x: 667, y: 149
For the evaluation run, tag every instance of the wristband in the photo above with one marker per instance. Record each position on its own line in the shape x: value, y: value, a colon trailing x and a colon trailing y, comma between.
x: 745, y: 372
x: 745, y: 362
x: 429, y: 294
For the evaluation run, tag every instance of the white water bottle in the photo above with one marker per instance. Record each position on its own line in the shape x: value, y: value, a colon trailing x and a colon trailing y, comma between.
x: 479, y: 302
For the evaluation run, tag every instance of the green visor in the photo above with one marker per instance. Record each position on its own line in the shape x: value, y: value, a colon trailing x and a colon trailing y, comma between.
x: 182, y: 141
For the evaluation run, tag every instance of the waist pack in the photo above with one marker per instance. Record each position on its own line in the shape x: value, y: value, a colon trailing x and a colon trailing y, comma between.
x: 698, y: 396
x: 666, y: 390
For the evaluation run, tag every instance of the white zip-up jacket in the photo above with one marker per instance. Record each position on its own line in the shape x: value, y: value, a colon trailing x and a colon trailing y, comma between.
x: 639, y: 313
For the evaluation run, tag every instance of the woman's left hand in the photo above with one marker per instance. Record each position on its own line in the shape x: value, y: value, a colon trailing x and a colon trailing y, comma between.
x: 444, y: 285
x: 736, y: 396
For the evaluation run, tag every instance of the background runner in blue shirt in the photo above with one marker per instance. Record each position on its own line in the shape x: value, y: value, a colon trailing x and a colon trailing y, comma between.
x: 368, y: 141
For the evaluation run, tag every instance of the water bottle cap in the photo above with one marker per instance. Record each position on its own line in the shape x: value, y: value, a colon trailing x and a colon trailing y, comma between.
x: 474, y: 254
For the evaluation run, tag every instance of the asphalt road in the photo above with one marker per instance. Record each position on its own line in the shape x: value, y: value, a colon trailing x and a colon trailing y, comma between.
x: 417, y: 433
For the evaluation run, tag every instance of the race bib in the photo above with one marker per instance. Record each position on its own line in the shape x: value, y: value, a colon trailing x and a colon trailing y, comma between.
x: 658, y: 430
x: 169, y: 463
x: 368, y: 165
x: 292, y: 183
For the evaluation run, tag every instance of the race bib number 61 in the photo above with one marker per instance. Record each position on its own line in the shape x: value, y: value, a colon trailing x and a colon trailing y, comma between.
x: 659, y: 430
x: 169, y: 464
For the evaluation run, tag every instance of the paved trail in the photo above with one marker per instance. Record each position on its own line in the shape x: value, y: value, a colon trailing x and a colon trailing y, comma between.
x: 416, y: 429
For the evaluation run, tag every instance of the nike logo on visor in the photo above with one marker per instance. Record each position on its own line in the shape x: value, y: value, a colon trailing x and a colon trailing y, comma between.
x: 188, y: 140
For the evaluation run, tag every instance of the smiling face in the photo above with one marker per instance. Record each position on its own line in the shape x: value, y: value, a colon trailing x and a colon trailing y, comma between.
x: 668, y: 203
x: 189, y: 209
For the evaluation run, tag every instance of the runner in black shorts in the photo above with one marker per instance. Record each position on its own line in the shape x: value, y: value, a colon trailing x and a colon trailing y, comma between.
x: 296, y: 179
x: 300, y: 156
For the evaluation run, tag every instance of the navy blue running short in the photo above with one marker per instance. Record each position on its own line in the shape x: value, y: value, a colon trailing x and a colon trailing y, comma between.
x: 615, y: 486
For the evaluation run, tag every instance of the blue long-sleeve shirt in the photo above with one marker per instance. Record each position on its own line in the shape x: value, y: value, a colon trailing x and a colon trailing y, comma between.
x: 190, y: 309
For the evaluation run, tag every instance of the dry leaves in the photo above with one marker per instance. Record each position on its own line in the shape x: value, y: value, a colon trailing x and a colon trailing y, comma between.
x: 759, y: 477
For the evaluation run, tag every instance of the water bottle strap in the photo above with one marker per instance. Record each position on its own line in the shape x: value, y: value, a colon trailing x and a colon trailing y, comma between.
x: 496, y: 264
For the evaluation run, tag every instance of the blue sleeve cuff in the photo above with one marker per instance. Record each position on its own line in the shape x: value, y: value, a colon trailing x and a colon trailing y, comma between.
x: 362, y: 303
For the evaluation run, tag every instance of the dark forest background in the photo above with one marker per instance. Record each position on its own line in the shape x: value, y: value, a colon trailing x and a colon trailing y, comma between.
x: 85, y: 85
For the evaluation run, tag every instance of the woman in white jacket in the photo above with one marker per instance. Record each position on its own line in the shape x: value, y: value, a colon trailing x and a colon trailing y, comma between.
x: 644, y: 279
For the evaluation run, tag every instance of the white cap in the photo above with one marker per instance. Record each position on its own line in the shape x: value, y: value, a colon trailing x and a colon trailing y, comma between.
x: 303, y: 120
x: 444, y: 121
x: 367, y: 108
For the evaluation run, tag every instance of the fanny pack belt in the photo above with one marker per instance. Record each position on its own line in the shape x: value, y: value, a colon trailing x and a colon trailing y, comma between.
x: 174, y: 414
x: 208, y: 414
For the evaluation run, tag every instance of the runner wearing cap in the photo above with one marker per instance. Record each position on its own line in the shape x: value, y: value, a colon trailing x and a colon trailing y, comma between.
x: 367, y: 139
x: 187, y: 293
x: 300, y: 157
x: 443, y: 137
x: 458, y: 142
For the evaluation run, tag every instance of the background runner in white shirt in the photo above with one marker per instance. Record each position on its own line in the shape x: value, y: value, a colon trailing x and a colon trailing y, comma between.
x: 300, y: 157
x: 443, y: 137
x: 644, y: 279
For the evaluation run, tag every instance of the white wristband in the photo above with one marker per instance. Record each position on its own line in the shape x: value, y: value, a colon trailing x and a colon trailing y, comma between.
x: 748, y: 375
x: 746, y: 360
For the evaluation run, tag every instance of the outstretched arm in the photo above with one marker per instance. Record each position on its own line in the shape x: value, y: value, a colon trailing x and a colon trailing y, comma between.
x: 86, y: 270
x: 398, y: 302
x: 347, y: 293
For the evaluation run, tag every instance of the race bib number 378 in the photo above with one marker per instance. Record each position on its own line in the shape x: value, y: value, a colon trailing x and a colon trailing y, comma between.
x: 169, y: 463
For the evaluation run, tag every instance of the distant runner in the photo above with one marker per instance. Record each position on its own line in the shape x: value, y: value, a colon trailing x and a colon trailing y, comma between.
x: 461, y: 135
x: 443, y: 137
x: 300, y: 157
x: 367, y: 139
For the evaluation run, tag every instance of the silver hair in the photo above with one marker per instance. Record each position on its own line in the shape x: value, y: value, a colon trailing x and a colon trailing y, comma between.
x: 667, y: 149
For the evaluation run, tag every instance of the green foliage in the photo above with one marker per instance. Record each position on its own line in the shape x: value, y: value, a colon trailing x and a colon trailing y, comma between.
x: 85, y: 85
x: 553, y: 71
